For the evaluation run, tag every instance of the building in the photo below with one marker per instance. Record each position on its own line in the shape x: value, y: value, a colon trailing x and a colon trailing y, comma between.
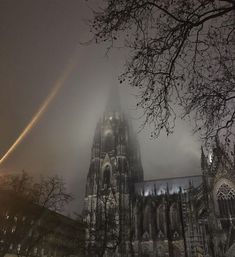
x: 126, y: 216
x: 27, y: 229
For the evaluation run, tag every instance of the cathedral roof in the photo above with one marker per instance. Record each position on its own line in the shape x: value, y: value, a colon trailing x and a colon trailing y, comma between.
x: 172, y: 185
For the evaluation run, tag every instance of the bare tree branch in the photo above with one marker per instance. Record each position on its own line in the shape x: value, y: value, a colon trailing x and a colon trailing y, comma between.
x: 182, y: 56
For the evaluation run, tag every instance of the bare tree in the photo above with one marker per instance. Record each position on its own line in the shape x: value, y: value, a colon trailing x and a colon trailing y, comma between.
x: 103, y: 226
x: 182, y: 56
x: 51, y: 193
x: 27, y: 216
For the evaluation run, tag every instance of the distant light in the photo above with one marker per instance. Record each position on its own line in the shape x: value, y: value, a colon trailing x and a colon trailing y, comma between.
x: 110, y: 117
x: 210, y: 157
x: 146, y: 192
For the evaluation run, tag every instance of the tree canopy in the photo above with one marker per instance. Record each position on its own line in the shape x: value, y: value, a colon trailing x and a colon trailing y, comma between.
x: 27, y: 211
x: 48, y: 192
x: 181, y: 56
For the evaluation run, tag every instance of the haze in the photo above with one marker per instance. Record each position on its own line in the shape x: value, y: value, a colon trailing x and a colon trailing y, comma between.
x: 38, y: 40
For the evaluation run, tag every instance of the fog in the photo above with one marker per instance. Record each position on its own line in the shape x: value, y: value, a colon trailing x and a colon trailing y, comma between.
x: 38, y: 40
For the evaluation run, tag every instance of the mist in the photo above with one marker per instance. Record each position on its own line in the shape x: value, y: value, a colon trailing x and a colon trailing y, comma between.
x: 37, y: 41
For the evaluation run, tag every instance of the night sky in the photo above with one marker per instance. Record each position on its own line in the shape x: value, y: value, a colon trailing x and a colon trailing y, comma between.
x: 40, y: 40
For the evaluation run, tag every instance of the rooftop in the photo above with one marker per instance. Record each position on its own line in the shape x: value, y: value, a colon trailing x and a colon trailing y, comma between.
x: 173, y: 185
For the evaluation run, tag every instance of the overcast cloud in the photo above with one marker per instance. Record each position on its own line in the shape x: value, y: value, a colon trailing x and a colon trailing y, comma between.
x: 37, y: 40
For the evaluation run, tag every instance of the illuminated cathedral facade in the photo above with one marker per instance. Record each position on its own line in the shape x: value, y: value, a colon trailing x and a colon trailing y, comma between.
x: 127, y: 216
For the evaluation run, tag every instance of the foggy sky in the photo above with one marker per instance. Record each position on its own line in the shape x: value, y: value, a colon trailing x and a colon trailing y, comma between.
x: 38, y: 38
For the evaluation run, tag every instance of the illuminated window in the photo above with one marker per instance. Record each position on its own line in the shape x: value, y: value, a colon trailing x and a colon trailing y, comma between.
x: 13, y: 229
x: 226, y: 200
x: 210, y: 157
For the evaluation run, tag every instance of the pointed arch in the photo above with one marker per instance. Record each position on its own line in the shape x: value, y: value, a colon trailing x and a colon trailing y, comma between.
x: 147, y: 219
x: 224, y: 198
x: 161, y: 220
x: 106, y: 178
x: 106, y: 170
x: 108, y: 139
x: 174, y: 217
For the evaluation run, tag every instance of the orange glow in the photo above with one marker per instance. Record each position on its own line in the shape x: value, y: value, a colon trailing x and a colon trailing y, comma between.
x: 59, y: 83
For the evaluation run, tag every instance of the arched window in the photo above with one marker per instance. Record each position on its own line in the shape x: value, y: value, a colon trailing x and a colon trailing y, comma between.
x: 108, y: 143
x: 174, y: 217
x: 106, y: 176
x: 147, y: 219
x: 161, y: 220
x: 226, y: 200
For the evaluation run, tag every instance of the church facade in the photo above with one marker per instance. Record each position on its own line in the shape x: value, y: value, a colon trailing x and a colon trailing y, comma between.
x: 127, y: 216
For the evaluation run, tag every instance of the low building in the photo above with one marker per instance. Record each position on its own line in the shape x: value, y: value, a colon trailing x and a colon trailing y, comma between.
x: 27, y: 229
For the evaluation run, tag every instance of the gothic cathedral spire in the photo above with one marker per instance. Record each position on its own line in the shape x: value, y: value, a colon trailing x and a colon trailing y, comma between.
x: 115, y: 167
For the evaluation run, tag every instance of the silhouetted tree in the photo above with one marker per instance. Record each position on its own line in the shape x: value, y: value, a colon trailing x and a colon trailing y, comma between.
x: 103, y: 226
x: 26, y: 212
x: 182, y: 57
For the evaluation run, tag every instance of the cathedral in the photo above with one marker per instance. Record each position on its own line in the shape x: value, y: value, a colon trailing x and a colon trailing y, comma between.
x: 127, y: 216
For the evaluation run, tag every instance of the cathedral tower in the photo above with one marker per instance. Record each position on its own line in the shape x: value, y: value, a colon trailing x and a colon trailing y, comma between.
x: 114, y: 168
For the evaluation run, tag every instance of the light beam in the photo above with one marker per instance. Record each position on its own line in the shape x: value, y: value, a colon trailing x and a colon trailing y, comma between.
x: 59, y: 83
